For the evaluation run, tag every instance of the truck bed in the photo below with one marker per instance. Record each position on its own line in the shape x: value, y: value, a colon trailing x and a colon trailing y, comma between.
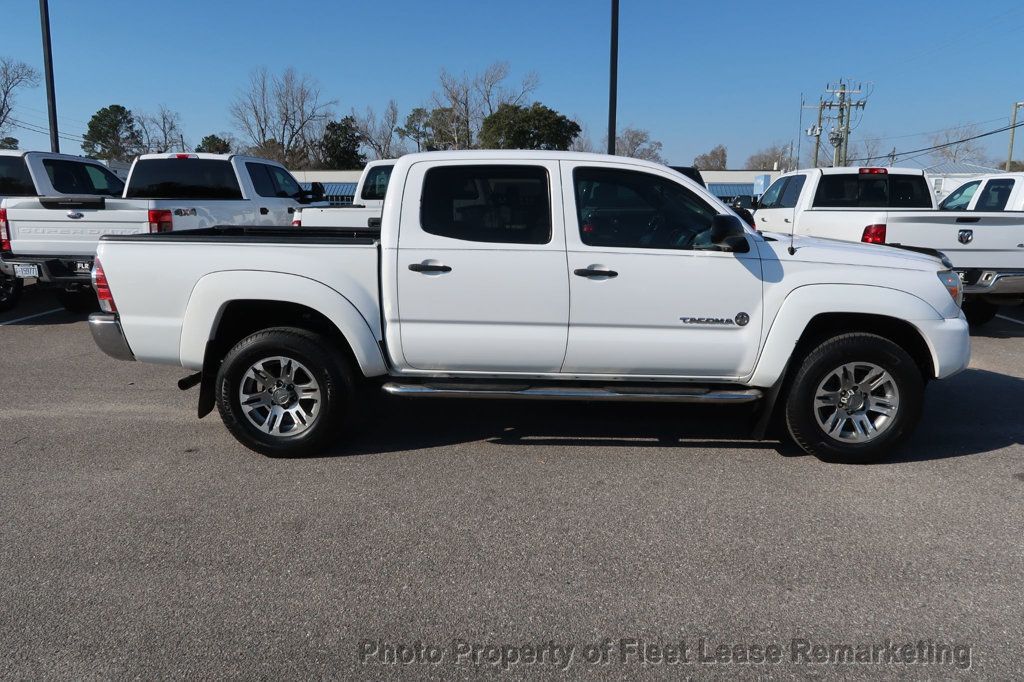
x: 157, y: 276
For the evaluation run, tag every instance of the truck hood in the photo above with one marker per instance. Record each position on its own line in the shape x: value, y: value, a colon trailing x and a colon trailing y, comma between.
x: 820, y: 250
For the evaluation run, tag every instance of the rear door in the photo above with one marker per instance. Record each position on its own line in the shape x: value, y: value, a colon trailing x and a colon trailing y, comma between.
x: 481, y: 272
x: 76, y: 211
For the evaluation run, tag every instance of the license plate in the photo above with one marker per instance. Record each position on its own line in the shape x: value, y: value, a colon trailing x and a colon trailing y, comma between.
x: 26, y: 270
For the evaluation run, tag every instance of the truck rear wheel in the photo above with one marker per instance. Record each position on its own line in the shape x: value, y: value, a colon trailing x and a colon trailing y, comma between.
x: 855, y: 399
x: 283, y: 392
x: 979, y: 312
x: 10, y: 292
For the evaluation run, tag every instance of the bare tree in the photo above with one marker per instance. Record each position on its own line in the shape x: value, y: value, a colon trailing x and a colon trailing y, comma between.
x: 582, y: 143
x: 956, y: 146
x: 866, y: 150
x: 637, y: 144
x: 281, y: 115
x: 14, y: 75
x: 775, y: 157
x: 381, y: 136
x: 463, y: 102
x: 715, y: 159
x: 161, y: 132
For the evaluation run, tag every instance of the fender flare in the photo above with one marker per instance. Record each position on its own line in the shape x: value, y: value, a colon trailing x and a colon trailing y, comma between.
x: 213, y: 292
x: 805, y: 303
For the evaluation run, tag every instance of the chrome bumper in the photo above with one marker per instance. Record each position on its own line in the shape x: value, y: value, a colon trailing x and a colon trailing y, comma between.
x: 107, y: 333
x: 996, y: 282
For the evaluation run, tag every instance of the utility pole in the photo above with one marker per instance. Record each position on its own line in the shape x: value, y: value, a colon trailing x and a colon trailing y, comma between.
x: 51, y: 98
x: 613, y: 77
x: 817, y: 132
x: 1013, y: 128
x: 839, y: 136
x: 892, y: 157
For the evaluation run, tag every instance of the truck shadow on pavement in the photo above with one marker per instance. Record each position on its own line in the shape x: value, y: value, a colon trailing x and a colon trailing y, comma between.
x: 957, y: 422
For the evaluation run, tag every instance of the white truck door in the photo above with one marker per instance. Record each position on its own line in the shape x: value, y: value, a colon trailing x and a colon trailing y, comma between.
x: 777, y: 208
x: 481, y: 274
x: 275, y: 192
x: 647, y: 296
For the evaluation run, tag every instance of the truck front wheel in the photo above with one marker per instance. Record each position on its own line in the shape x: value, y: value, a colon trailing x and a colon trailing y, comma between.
x: 855, y: 399
x: 284, y: 392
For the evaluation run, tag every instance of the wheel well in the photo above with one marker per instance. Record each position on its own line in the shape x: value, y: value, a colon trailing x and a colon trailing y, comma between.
x: 900, y: 332
x: 242, y: 318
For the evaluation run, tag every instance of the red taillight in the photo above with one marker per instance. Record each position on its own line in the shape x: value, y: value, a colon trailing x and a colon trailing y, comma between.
x: 296, y: 223
x: 5, y: 231
x: 99, y: 283
x: 160, y: 221
x: 874, y: 171
x: 873, y: 234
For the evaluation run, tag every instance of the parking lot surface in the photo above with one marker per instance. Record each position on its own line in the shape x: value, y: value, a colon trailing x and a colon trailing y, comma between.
x: 136, y: 540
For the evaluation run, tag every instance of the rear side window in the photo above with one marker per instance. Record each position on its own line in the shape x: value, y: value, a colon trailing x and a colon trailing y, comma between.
x: 14, y: 178
x: 272, y: 181
x: 376, y: 184
x: 960, y: 198
x: 856, y: 190
x: 497, y: 204
x: 183, y: 179
x: 994, y: 195
x: 73, y: 177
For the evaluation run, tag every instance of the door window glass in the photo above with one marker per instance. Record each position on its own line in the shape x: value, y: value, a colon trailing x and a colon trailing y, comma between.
x: 994, y: 195
x: 285, y: 186
x: 772, y: 197
x: 261, y: 181
x: 960, y: 198
x: 631, y: 209
x: 792, y: 191
x: 497, y: 204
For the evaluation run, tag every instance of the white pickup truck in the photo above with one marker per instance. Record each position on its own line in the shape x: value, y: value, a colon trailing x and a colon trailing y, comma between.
x: 983, y: 240
x: 364, y: 213
x: 541, y: 275
x: 50, y: 230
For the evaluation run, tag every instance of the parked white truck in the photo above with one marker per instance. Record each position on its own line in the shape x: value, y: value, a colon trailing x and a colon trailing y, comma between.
x: 50, y: 228
x: 542, y: 275
x: 981, y: 237
x: 364, y: 213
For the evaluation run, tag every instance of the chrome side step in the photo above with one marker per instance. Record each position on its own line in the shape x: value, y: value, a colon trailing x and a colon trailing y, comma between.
x: 673, y: 394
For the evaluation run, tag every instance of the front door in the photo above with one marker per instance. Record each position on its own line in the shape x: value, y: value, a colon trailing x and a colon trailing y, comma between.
x: 777, y: 207
x: 276, y: 191
x: 481, y: 273
x: 650, y: 296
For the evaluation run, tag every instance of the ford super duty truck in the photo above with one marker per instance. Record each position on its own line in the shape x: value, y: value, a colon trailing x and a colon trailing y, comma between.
x: 50, y: 229
x: 980, y: 235
x: 537, y: 275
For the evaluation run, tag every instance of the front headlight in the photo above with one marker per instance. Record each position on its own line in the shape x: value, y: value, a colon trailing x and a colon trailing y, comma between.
x: 955, y: 287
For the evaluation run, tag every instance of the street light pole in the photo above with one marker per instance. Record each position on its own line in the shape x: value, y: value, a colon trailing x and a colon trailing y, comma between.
x: 613, y: 78
x: 1013, y: 128
x: 51, y: 99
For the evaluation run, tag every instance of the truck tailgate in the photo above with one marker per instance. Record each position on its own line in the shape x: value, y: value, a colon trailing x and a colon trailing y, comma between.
x: 43, y: 227
x: 970, y: 239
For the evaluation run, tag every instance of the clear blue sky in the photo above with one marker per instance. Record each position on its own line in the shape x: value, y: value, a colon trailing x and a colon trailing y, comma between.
x: 693, y: 73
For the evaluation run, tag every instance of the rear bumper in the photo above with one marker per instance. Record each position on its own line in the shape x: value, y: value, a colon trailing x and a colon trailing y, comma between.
x: 996, y: 282
x: 108, y: 335
x: 52, y: 269
x: 949, y: 342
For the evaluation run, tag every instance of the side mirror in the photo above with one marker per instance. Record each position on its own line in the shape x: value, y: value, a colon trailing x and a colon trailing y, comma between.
x: 727, y: 233
x: 314, y: 194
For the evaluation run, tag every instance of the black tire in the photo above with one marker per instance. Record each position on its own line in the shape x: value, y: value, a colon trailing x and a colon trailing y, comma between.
x: 979, y: 312
x: 820, y: 363
x: 10, y: 292
x: 78, y: 300
x: 325, y: 365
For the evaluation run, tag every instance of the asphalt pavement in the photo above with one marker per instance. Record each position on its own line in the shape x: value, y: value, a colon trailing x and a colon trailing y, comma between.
x: 457, y: 539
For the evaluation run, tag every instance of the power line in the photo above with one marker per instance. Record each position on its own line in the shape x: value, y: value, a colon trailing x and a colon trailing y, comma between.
x: 919, y: 152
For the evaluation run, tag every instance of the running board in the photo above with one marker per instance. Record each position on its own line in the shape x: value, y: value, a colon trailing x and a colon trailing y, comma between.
x: 673, y: 394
